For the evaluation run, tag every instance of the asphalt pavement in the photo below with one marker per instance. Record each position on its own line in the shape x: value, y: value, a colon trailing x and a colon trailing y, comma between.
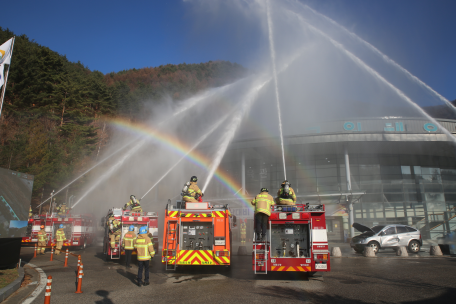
x: 352, y: 279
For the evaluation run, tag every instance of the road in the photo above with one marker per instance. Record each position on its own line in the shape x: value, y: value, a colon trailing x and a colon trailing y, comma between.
x: 353, y: 279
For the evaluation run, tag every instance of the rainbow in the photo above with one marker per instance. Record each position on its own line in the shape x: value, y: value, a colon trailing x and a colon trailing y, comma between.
x: 173, y: 144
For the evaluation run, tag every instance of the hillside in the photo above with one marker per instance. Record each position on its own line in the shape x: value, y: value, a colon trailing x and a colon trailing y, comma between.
x: 52, y: 118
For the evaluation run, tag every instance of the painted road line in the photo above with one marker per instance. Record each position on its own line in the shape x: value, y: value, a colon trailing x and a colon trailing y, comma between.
x: 39, y: 288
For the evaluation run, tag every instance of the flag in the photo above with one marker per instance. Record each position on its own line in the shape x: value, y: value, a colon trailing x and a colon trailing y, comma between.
x: 5, y: 52
x: 1, y: 75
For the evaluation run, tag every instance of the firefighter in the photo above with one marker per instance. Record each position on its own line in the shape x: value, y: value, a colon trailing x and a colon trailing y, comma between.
x: 262, y: 202
x: 128, y: 245
x: 134, y: 204
x: 60, y: 236
x: 191, y: 191
x: 243, y: 232
x: 114, y: 231
x: 145, y: 251
x: 286, y: 194
x: 30, y: 212
x: 42, y: 240
x: 61, y: 210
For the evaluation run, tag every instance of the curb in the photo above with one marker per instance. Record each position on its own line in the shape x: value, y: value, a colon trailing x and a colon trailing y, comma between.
x: 5, y: 292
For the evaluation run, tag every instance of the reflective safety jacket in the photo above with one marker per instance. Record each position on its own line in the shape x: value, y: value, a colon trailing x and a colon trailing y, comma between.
x: 128, y: 240
x: 193, y: 189
x: 42, y: 237
x: 291, y: 200
x: 61, y: 209
x: 243, y: 229
x: 144, y: 247
x: 135, y: 206
x: 60, y: 235
x: 263, y: 203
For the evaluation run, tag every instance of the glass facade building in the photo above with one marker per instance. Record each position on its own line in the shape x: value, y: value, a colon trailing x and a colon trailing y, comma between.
x: 401, y: 171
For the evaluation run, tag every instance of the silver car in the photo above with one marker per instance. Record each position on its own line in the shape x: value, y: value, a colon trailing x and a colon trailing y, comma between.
x: 386, y: 236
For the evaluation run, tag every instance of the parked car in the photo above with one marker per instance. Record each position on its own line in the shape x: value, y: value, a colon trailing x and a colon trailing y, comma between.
x: 386, y: 236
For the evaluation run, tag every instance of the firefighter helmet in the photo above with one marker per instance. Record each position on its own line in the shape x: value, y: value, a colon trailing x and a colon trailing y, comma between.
x: 131, y: 228
x: 285, y: 182
x: 42, y: 226
x: 264, y: 190
x: 132, y: 197
x: 193, y: 179
x: 143, y: 230
x: 61, y: 226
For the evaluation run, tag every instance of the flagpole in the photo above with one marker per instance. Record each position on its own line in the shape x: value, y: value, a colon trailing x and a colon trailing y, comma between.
x: 6, y: 77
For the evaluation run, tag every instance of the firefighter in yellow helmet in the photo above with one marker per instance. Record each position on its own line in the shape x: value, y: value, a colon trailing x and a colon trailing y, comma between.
x: 145, y: 251
x: 60, y: 237
x: 286, y: 195
x: 134, y: 204
x: 42, y: 240
x: 262, y: 202
x: 191, y: 192
x: 115, y: 230
x: 243, y: 232
x: 128, y: 244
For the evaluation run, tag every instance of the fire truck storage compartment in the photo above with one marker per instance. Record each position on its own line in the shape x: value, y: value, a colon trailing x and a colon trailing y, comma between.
x: 67, y: 228
x: 287, y: 238
x: 197, y: 236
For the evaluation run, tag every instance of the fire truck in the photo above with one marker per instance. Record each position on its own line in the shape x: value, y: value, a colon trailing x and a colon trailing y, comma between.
x: 197, y: 233
x: 79, y: 229
x: 127, y: 218
x: 296, y: 241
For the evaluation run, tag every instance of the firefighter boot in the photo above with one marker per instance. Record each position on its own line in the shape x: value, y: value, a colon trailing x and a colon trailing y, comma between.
x: 139, y: 283
x: 146, y: 283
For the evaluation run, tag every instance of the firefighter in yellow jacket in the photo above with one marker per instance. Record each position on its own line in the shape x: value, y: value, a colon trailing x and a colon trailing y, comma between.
x: 243, y: 232
x: 114, y: 231
x: 262, y: 202
x: 134, y: 204
x: 191, y: 191
x: 145, y: 251
x: 60, y: 237
x: 30, y: 212
x: 128, y: 244
x: 286, y: 194
x: 62, y: 210
x: 42, y: 240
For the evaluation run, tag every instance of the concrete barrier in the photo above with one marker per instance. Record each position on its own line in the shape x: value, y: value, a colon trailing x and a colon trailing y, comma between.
x: 335, y: 252
x: 402, y: 251
x: 369, y: 252
x: 6, y: 291
x: 435, y: 250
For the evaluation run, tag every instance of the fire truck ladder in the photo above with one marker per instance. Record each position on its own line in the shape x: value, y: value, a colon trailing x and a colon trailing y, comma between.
x: 264, y: 251
x: 171, y: 238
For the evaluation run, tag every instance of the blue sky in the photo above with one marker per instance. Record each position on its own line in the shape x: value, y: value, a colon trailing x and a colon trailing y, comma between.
x: 117, y: 35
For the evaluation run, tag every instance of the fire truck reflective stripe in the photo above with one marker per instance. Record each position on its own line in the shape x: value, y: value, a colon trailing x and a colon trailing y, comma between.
x: 218, y: 214
x: 291, y: 268
x: 196, y: 257
x: 229, y: 213
x: 172, y: 213
x: 227, y: 260
x: 205, y: 255
x: 300, y: 268
x: 281, y: 268
x: 186, y: 255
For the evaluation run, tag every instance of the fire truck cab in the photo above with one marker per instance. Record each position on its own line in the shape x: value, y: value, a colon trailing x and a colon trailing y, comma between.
x: 296, y: 241
x: 197, y: 233
x: 127, y: 218
x: 79, y: 229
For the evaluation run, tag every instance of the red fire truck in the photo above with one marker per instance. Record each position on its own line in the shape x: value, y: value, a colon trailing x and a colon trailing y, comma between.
x: 197, y: 234
x: 128, y: 218
x: 79, y: 229
x: 296, y: 241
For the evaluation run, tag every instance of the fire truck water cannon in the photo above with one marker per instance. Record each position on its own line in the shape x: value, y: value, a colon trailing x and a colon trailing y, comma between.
x: 296, y: 241
x: 117, y: 222
x: 197, y: 233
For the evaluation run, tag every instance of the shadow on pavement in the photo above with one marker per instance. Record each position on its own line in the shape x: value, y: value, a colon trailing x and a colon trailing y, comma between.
x: 128, y: 275
x: 104, y: 294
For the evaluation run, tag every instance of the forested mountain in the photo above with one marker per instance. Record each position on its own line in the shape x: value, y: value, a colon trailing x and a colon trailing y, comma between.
x: 52, y: 118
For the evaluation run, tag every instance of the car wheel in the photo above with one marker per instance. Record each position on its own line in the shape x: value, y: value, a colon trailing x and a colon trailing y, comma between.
x: 375, y: 246
x: 414, y: 246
